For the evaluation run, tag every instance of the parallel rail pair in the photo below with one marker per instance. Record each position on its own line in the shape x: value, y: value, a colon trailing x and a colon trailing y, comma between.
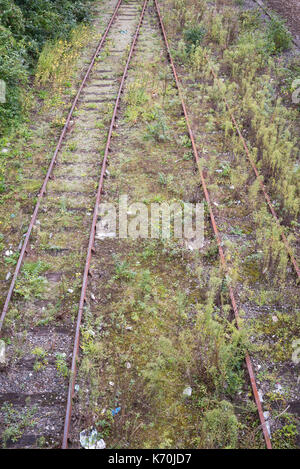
x: 105, y: 162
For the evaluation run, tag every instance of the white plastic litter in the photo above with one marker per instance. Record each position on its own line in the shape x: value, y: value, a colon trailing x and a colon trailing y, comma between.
x: 2, y: 352
x: 187, y: 391
x: 267, y: 416
x: 260, y: 395
x: 90, y: 439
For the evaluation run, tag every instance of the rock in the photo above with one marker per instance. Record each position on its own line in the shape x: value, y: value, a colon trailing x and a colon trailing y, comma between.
x: 187, y: 391
x: 90, y: 439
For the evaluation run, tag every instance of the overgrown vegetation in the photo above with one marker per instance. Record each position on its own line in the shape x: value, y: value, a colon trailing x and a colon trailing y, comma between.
x: 25, y: 26
x: 16, y: 422
x: 255, y: 66
x: 244, y: 51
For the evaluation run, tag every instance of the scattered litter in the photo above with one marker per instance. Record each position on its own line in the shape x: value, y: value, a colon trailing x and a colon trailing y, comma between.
x: 123, y: 31
x: 90, y: 439
x: 187, y: 391
x: 274, y: 318
x: 8, y: 275
x: 4, y: 150
x: 278, y: 388
x: 76, y: 387
x: 115, y: 411
x: 93, y: 297
x: 128, y: 365
x: 267, y: 416
x: 231, y: 187
x: 9, y: 252
x: 216, y: 204
x: 2, y: 352
x: 189, y: 245
x: 260, y: 395
x: 111, y: 383
x: 128, y: 328
x: 70, y: 290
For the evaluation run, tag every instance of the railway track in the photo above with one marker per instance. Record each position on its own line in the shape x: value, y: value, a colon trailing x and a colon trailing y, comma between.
x: 63, y: 214
x: 91, y: 247
x: 63, y: 217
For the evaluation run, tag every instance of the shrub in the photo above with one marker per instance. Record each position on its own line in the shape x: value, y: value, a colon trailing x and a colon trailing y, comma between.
x: 25, y: 25
x: 220, y: 428
x: 278, y: 36
x: 194, y: 36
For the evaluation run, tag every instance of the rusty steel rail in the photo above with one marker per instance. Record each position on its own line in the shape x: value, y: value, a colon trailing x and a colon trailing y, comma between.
x: 92, y: 239
x: 216, y: 231
x: 255, y: 169
x: 42, y: 192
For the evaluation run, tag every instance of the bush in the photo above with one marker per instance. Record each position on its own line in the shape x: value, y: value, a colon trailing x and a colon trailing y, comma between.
x: 194, y: 36
x: 278, y: 36
x: 13, y: 71
x: 220, y: 428
x: 25, y: 25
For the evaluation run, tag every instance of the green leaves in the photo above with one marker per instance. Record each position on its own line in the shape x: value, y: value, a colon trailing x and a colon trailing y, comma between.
x: 25, y: 25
